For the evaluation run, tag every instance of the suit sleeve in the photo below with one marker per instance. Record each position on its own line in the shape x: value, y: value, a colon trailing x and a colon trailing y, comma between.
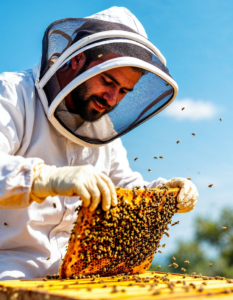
x: 16, y: 172
x: 121, y: 173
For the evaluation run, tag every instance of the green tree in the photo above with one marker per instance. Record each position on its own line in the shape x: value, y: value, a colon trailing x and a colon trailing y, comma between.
x: 208, y: 235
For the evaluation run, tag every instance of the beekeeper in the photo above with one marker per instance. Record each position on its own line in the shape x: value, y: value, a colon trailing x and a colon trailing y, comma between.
x: 60, y: 123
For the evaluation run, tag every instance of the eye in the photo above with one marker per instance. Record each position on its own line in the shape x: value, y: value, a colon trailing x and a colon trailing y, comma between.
x: 106, y: 82
x: 123, y: 91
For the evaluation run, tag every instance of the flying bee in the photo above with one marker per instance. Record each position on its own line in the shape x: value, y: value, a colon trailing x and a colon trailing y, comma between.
x: 189, y: 178
x: 220, y: 119
x: 211, y: 264
x: 173, y: 257
x: 224, y: 228
x: 135, y: 158
x: 161, y: 157
x: 193, y: 134
x: 160, y: 251
x: 54, y: 205
x: 183, y: 269
x: 186, y: 261
x: 155, y: 157
x: 149, y: 170
x: 210, y: 185
x: 178, y: 142
x: 169, y: 266
x: 158, y: 267
x: 163, y: 245
x: 5, y: 224
x: 182, y: 108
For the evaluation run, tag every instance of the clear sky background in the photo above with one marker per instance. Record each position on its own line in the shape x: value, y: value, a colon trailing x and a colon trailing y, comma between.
x: 196, y: 37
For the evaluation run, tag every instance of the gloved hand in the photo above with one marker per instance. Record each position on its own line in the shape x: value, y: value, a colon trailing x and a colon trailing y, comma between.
x: 85, y: 181
x: 188, y: 194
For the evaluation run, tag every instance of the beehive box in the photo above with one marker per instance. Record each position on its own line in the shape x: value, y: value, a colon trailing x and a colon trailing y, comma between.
x: 149, y: 285
x: 123, y: 239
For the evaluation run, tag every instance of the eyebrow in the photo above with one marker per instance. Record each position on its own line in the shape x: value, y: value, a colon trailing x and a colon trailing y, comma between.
x: 117, y: 82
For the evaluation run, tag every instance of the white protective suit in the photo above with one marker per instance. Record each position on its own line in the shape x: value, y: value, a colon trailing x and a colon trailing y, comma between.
x: 33, y: 238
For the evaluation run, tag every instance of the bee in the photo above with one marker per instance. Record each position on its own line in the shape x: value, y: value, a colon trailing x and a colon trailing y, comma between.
x: 224, y: 228
x: 149, y: 170
x: 5, y: 224
x: 135, y: 158
x: 155, y: 157
x: 178, y: 142
x: 183, y: 269
x: 160, y: 251
x: 163, y: 245
x: 211, y: 264
x: 160, y: 157
x: 193, y: 133
x: 189, y: 178
x: 200, y: 289
x: 210, y: 185
x: 220, y: 119
x: 169, y: 266
x: 175, y: 265
x: 48, y: 258
x: 175, y: 223
x: 158, y: 267
x: 186, y: 261
x: 54, y: 205
x: 173, y: 257
x: 182, y: 108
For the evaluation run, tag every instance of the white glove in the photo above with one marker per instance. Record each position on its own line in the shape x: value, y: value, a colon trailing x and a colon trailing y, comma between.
x: 187, y: 197
x: 85, y: 181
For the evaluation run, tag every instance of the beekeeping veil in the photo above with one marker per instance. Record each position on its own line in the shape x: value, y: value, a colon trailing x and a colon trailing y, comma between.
x: 99, y: 36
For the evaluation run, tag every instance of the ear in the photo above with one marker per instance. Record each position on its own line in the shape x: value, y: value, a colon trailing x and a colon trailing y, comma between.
x: 78, y: 61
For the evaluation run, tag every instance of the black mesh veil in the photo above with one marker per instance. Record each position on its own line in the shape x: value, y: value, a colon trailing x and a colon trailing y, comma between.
x: 105, y: 51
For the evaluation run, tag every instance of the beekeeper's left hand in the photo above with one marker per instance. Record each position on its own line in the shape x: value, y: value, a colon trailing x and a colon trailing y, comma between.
x: 187, y: 197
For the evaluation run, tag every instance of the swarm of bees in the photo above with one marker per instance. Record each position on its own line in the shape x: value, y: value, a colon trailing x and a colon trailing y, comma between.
x: 122, y: 239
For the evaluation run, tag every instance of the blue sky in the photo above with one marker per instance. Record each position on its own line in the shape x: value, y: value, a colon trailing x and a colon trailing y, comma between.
x: 196, y: 37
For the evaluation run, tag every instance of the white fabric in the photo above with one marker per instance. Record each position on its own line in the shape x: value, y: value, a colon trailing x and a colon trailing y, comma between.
x: 121, y: 15
x: 40, y: 231
x: 188, y: 195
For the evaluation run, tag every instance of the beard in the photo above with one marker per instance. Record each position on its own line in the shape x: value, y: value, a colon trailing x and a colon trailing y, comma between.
x: 81, y: 101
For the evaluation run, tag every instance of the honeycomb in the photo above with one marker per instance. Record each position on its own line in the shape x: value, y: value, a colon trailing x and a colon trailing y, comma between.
x: 123, y: 239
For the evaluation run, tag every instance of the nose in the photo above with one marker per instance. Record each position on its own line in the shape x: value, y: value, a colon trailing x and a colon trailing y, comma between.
x: 111, y: 96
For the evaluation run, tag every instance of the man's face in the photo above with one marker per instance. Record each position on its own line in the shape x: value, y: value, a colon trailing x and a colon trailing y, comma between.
x: 100, y: 94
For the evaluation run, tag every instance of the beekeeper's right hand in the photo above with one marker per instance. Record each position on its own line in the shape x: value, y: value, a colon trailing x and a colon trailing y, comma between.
x: 87, y: 182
